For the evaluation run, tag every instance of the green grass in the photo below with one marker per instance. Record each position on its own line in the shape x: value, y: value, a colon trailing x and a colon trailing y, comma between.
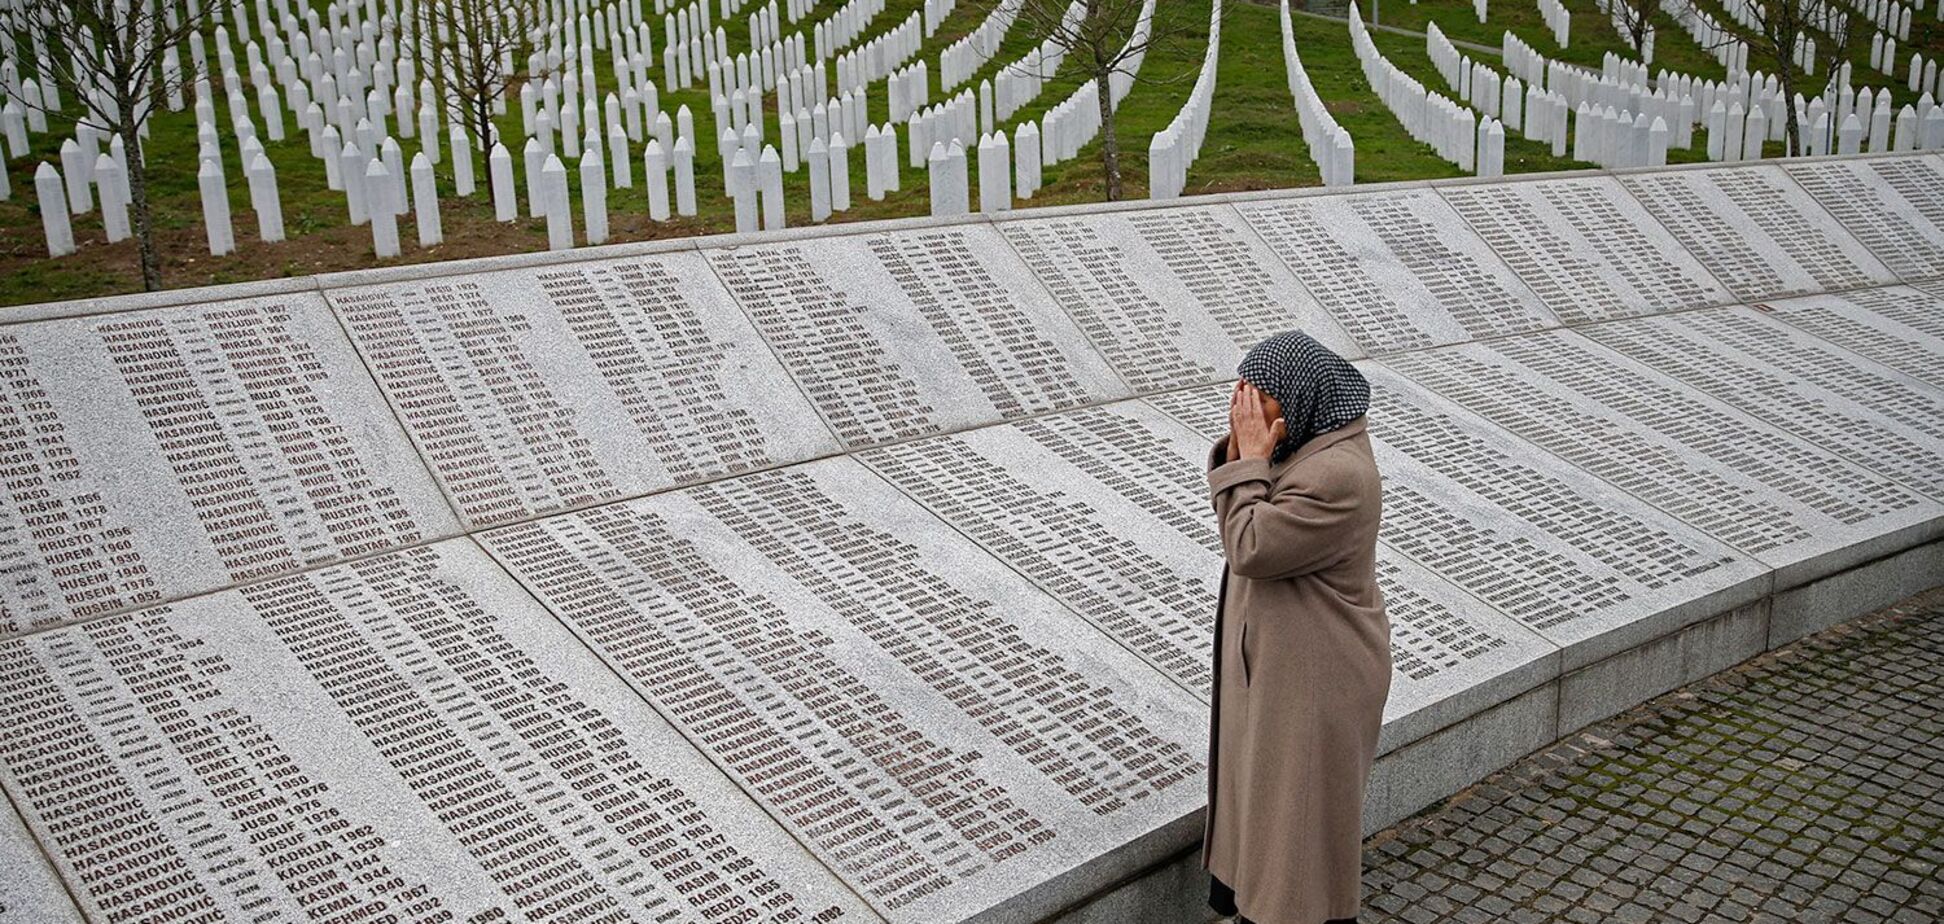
x: 1254, y: 142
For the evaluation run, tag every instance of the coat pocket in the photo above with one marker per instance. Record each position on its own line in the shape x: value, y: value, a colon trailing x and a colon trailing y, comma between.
x: 1244, y: 646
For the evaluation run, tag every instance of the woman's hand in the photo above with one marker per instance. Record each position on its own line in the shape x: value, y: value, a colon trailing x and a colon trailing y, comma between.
x: 1253, y: 432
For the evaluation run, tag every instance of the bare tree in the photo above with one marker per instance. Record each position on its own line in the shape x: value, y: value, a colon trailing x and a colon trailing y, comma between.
x: 109, y: 56
x: 472, y: 42
x: 1794, y: 40
x: 1108, y: 38
x: 1633, y: 19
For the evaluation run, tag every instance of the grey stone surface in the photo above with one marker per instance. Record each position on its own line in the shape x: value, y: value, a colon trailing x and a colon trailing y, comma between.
x: 1818, y: 605
x: 1758, y: 232
x: 1574, y: 560
x: 901, y: 334
x: 410, y: 729
x: 1613, y: 684
x: 944, y: 735
x: 160, y: 453
x: 1431, y: 768
x: 29, y: 892
x: 1793, y: 506
x: 1398, y: 270
x: 1171, y: 296
x: 1107, y: 509
x: 1893, y: 205
x: 534, y: 390
x: 1586, y: 247
x: 1898, y: 326
x: 1825, y: 395
x: 1801, y: 786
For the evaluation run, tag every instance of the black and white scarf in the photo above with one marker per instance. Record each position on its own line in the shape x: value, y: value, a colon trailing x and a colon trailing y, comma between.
x: 1319, y: 390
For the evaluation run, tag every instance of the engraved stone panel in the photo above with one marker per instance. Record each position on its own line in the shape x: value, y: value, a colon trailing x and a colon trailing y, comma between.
x: 1108, y: 509
x: 1586, y: 247
x: 407, y: 735
x: 1826, y: 395
x: 1399, y: 270
x: 1173, y: 296
x: 155, y: 454
x: 1902, y: 328
x: 1894, y: 205
x: 1570, y: 557
x: 535, y: 390
x: 903, y: 334
x: 1757, y: 231
x: 943, y: 735
x: 29, y: 893
x: 1792, y: 505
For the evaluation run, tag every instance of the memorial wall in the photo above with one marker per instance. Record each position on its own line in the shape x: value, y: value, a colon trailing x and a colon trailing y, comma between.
x: 866, y: 573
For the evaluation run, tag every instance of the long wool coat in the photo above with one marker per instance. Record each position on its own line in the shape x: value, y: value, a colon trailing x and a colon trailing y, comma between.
x: 1302, y: 669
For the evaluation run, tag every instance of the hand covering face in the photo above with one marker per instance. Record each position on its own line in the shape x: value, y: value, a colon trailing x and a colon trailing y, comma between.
x: 1319, y: 391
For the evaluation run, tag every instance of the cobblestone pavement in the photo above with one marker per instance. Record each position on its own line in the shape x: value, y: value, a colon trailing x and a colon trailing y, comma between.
x: 1806, y: 785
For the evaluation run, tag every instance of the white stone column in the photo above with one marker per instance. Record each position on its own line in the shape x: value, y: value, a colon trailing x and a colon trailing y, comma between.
x: 593, y: 183
x: 536, y: 161
x: 56, y: 225
x: 114, y: 197
x: 499, y: 170
x: 839, y: 160
x: 462, y: 161
x: 79, y: 194
x: 384, y: 220
x: 819, y: 180
x: 769, y: 171
x: 265, y: 200
x: 1026, y: 154
x: 655, y: 175
x: 556, y: 208
x: 425, y: 199
x: 619, y: 154
x: 684, y: 177
x: 215, y: 205
x: 744, y: 192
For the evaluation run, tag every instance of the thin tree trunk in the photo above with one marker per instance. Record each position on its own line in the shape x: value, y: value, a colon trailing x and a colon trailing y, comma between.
x: 1109, y: 138
x: 138, y: 198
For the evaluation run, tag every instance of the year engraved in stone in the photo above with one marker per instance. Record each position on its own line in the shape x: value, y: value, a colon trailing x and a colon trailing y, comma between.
x: 62, y: 553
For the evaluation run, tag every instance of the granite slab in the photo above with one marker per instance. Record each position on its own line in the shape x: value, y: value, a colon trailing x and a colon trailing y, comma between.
x: 1898, y: 326
x: 155, y: 454
x: 29, y: 891
x: 1893, y: 205
x: 1399, y: 270
x: 895, y: 335
x: 539, y: 389
x: 1172, y: 296
x: 1794, y: 506
x: 1572, y: 559
x: 1586, y: 246
x: 408, y: 734
x: 948, y: 738
x: 1823, y: 394
x: 1757, y: 231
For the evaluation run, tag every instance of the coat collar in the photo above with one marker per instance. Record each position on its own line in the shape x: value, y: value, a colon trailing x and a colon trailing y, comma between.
x: 1318, y: 443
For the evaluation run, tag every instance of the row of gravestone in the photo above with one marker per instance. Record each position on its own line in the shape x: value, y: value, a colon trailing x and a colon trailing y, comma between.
x: 1585, y: 440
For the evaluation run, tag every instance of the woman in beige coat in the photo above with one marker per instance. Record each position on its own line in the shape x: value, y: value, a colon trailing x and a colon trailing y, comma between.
x: 1302, y: 643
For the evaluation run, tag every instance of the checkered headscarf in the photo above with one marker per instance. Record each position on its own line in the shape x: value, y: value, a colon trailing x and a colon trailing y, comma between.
x: 1319, y: 390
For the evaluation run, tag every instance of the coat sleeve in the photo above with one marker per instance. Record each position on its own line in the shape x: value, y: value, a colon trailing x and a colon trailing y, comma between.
x: 1304, y: 526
